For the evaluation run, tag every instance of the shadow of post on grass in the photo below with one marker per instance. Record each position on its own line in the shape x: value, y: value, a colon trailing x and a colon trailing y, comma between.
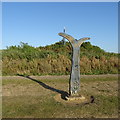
x: 63, y: 93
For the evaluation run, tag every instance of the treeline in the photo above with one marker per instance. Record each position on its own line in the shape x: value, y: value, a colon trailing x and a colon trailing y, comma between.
x: 55, y: 59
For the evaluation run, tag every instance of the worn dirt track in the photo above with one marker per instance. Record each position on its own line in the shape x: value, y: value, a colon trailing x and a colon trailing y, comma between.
x: 57, y: 77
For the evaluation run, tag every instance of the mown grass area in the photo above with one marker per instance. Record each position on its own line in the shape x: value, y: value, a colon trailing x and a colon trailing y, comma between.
x: 26, y: 98
x: 47, y: 107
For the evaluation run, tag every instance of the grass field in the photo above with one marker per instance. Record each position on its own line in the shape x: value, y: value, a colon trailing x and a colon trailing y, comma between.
x: 33, y: 97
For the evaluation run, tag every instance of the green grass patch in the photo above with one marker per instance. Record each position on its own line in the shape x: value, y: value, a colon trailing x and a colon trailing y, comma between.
x: 47, y: 107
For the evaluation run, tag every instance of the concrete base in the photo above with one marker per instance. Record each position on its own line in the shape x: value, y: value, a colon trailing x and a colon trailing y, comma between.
x: 72, y: 100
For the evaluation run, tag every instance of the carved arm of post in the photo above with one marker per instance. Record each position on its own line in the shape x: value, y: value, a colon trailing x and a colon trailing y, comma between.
x: 74, y: 86
x: 68, y: 37
x: 80, y: 41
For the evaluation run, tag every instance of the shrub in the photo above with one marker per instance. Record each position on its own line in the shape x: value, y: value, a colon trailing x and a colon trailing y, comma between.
x: 56, y: 59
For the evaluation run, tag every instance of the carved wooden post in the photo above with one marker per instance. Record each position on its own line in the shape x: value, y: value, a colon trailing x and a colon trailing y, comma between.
x: 74, y: 84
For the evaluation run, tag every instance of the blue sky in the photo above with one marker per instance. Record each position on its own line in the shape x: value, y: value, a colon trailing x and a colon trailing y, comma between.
x: 38, y: 23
